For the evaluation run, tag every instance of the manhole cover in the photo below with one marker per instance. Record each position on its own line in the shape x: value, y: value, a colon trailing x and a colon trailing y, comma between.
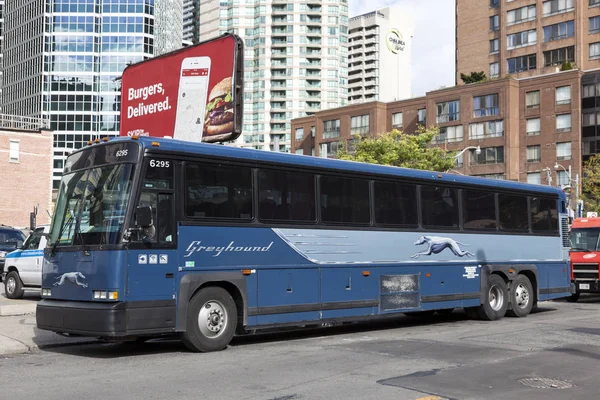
x: 545, y: 383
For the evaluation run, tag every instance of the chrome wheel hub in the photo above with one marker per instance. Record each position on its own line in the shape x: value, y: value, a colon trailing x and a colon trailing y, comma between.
x: 212, y: 319
x: 496, y: 298
x: 521, y: 296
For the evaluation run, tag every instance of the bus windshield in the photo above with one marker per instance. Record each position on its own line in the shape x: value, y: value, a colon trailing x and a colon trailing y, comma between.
x: 91, y: 206
x: 586, y: 239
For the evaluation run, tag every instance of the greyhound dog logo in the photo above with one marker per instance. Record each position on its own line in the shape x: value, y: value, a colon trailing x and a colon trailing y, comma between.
x: 72, y: 277
x: 436, y: 244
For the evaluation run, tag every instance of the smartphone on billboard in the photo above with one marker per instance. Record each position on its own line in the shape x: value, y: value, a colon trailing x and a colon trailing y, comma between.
x: 191, y: 99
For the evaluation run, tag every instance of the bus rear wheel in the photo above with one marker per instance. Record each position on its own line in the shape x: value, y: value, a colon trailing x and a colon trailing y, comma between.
x: 496, y: 299
x: 211, y: 320
x: 521, y: 297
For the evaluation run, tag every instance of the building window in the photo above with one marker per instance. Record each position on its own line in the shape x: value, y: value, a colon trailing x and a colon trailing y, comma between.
x: 449, y: 134
x: 594, y: 24
x: 594, y: 3
x: 563, y: 95
x: 300, y: 152
x: 559, y: 31
x: 484, y: 130
x: 494, y: 23
x: 523, y: 63
x: 330, y: 149
x: 563, y: 123
x: 312, y: 131
x: 533, y: 127
x: 359, y: 124
x: 331, y: 129
x: 13, y: 153
x: 534, y: 153
x: 489, y: 155
x: 594, y: 51
x: 494, y: 3
x: 535, y: 178
x: 397, y: 120
x: 299, y: 133
x: 519, y: 15
x: 494, y: 72
x: 521, y: 39
x: 589, y: 91
x: 498, y: 177
x: 558, y: 56
x: 562, y: 178
x: 532, y: 99
x: 494, y: 46
x: 422, y: 116
x: 588, y: 118
x: 563, y: 151
x: 557, y: 7
x: 484, y: 106
x: 448, y: 111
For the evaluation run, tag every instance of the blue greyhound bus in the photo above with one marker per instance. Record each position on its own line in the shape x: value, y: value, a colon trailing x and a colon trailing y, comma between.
x: 157, y: 237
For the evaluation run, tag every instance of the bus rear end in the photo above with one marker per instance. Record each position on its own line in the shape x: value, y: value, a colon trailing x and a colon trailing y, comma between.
x: 585, y: 256
x: 85, y: 264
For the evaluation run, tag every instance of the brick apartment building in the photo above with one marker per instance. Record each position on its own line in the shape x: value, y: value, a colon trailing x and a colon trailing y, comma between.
x: 526, y: 37
x: 524, y: 127
x: 26, y: 165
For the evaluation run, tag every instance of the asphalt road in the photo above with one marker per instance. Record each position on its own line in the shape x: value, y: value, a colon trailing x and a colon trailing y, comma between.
x: 449, y: 356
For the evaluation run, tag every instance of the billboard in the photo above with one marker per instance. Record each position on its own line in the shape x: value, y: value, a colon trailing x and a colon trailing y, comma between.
x: 193, y: 94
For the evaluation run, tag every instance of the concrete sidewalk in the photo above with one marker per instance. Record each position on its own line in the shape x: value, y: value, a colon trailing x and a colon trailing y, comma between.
x: 18, y: 331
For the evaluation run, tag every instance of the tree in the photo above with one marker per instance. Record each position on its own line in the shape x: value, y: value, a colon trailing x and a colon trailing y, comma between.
x: 399, y: 149
x: 590, y: 187
x: 473, y: 77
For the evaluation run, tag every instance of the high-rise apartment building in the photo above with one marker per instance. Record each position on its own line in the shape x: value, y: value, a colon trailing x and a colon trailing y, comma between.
x: 295, y: 61
x: 191, y: 21
x: 63, y: 61
x: 526, y: 37
x: 379, y: 56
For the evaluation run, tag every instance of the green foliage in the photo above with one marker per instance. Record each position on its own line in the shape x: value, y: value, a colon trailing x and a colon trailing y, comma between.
x: 591, y: 184
x: 473, y: 77
x: 399, y: 149
x: 567, y: 65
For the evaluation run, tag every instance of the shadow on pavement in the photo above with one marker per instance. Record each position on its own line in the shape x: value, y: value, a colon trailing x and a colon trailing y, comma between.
x: 89, y: 347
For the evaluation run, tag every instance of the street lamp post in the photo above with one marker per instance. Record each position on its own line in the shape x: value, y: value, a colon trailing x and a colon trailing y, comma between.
x: 477, y: 151
x: 576, y: 180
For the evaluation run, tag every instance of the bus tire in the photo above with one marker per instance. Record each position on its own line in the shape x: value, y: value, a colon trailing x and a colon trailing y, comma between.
x: 13, y: 287
x: 573, y: 298
x: 211, y: 320
x: 521, y: 297
x: 495, y: 301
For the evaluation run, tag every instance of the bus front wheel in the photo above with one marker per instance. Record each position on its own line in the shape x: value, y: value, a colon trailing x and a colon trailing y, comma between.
x: 211, y: 320
x: 496, y: 299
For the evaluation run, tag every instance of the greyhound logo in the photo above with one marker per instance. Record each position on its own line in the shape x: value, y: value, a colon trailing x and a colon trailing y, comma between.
x: 437, y: 244
x: 72, y: 277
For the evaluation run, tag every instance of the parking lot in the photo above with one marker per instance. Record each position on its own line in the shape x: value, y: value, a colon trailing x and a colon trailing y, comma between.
x: 551, y: 354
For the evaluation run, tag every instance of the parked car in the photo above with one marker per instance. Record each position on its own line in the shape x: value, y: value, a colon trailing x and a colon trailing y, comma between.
x: 10, y: 239
x: 23, y: 267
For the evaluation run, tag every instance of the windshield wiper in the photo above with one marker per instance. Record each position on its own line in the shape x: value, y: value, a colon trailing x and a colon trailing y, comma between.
x: 68, y: 222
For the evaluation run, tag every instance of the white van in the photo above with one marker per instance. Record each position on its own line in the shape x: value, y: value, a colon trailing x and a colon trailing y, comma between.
x: 23, y: 267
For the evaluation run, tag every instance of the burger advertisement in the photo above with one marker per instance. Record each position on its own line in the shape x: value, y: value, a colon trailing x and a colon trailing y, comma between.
x: 193, y: 94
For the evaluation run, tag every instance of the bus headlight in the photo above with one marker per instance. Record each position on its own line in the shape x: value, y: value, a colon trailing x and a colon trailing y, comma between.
x: 46, y: 292
x: 104, y: 295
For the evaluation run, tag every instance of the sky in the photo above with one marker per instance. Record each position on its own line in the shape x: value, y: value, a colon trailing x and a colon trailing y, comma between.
x: 433, y: 40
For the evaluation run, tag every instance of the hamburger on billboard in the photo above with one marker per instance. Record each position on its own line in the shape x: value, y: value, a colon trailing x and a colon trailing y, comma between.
x: 192, y: 94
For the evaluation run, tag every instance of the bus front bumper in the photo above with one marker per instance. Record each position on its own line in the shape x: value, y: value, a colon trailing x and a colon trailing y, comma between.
x: 83, y: 318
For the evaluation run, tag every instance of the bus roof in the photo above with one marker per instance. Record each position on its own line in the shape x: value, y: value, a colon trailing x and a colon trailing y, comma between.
x: 216, y: 150
x: 586, y: 223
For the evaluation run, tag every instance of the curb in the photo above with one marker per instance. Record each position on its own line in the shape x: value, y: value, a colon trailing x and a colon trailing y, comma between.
x: 17, y: 309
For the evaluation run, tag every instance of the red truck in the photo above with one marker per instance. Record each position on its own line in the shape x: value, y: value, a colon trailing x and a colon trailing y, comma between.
x: 585, y: 256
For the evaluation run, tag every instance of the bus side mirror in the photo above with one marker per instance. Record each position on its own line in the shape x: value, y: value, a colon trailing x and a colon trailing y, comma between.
x: 143, y: 216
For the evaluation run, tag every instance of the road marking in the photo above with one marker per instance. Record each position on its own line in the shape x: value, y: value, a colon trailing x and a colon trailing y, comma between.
x: 430, y: 398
